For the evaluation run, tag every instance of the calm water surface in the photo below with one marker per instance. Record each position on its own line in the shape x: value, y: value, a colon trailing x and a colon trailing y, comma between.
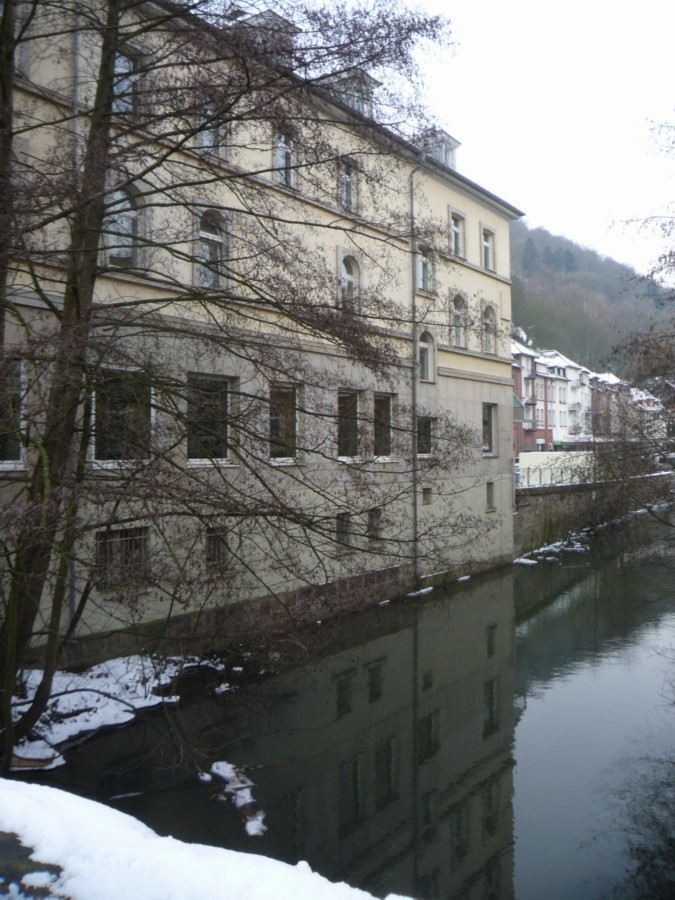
x: 511, y: 737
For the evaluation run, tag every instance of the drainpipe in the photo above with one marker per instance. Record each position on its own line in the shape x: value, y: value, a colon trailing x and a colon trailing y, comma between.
x: 415, y: 362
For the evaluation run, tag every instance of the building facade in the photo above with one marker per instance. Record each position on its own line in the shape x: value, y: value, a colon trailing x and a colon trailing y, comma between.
x: 255, y: 342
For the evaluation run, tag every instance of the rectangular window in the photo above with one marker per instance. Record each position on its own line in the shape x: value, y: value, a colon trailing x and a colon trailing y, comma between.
x: 428, y: 815
x: 283, y: 423
x: 10, y: 412
x: 456, y: 235
x: 386, y: 772
x: 424, y: 270
x: 347, y: 423
x: 427, y: 496
x: 382, y: 444
x: 207, y: 417
x: 124, y: 86
x: 216, y: 549
x: 374, y: 529
x: 489, y: 425
x: 121, y: 556
x: 490, y: 495
x: 284, y: 163
x: 343, y: 529
x: 122, y: 416
x: 425, y: 431
x: 347, y: 185
x: 488, y: 249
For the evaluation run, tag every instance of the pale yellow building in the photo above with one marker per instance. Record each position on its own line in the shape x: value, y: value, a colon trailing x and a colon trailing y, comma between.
x: 291, y: 375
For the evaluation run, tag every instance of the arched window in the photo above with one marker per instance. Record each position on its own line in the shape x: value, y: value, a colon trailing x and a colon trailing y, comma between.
x: 122, y: 230
x: 458, y: 322
x: 489, y: 330
x: 210, y: 251
x: 426, y: 357
x: 349, y: 283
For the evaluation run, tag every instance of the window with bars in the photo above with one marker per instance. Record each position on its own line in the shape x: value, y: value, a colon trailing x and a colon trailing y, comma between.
x: 121, y: 556
x: 425, y: 435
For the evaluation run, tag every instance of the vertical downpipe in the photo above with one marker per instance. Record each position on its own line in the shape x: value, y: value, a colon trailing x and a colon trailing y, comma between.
x: 414, y: 367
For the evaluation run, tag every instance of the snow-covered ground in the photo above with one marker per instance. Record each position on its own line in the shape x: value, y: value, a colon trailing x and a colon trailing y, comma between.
x: 110, y: 693
x: 104, y: 854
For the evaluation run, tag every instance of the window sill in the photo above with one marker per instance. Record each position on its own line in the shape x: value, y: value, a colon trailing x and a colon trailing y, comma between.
x: 385, y: 459
x: 12, y: 465
x: 284, y: 461
x: 350, y: 460
x: 221, y: 463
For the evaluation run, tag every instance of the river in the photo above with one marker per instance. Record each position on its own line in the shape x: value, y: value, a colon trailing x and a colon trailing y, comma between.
x: 508, y: 736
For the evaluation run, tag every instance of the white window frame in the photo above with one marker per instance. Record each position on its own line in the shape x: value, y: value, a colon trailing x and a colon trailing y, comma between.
x: 426, y: 357
x: 425, y: 270
x: 490, y: 429
x: 126, y: 76
x: 348, y: 186
x: 285, y: 160
x: 215, y: 239
x: 457, y: 234
x: 122, y: 225
x: 487, y: 248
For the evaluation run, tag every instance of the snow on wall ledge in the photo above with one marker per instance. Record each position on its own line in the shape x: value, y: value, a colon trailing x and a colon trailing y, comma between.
x: 106, y: 854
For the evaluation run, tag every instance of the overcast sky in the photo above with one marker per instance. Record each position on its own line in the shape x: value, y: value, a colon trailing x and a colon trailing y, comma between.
x: 554, y: 104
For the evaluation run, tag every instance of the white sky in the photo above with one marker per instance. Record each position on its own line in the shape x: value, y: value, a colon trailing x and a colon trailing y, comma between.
x: 554, y: 102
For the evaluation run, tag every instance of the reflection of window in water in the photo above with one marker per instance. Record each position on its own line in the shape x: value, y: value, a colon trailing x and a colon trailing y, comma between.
x: 343, y: 693
x: 460, y: 833
x: 428, y: 885
x: 350, y: 808
x: 428, y: 815
x: 490, y: 707
x: 490, y: 810
x: 428, y: 740
x: 375, y: 673
x: 386, y: 772
x: 491, y: 639
x: 492, y: 877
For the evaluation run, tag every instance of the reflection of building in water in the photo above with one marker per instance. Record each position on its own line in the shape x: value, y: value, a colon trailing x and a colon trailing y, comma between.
x: 389, y: 764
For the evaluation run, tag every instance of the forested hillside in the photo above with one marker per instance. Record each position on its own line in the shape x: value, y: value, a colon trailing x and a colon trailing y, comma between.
x: 569, y: 298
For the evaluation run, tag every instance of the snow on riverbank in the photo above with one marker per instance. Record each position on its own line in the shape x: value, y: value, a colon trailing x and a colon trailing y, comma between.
x: 104, y: 854
x: 110, y: 693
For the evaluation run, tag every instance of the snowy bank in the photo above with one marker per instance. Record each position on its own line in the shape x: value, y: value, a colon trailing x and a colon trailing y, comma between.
x: 104, y: 854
